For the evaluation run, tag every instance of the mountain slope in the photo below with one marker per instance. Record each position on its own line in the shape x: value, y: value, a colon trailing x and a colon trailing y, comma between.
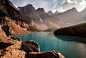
x: 50, y: 13
x: 10, y: 17
x: 9, y: 9
x: 39, y: 17
x: 72, y: 16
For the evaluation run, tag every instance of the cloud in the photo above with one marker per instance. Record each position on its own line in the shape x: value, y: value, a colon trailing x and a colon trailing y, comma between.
x: 21, y: 3
x: 69, y: 4
x: 55, y: 5
x: 44, y: 4
x: 54, y: 1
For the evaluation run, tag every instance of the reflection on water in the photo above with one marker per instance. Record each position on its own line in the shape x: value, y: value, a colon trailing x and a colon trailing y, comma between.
x: 71, y: 38
x: 70, y: 47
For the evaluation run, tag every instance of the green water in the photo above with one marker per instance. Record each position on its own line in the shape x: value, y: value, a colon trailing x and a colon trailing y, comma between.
x: 70, y: 47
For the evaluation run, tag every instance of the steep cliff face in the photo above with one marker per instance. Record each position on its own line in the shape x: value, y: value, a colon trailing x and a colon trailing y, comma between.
x: 11, y: 19
x: 8, y: 9
x: 29, y: 13
x: 42, y: 13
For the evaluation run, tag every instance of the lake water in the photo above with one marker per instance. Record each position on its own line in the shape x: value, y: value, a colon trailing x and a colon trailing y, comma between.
x: 70, y: 47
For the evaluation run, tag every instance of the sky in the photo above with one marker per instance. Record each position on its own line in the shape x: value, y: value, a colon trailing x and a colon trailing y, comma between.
x: 53, y: 5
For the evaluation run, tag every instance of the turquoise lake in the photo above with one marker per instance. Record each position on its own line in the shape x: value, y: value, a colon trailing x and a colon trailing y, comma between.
x: 70, y: 47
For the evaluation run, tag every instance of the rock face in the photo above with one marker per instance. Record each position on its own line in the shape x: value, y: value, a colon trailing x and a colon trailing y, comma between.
x: 9, y: 10
x: 29, y: 11
x: 42, y: 13
x: 40, y: 18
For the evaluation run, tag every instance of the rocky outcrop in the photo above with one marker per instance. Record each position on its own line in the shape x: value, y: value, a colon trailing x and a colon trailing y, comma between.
x: 48, y: 54
x: 33, y: 51
x: 30, y: 46
x: 14, y: 48
x: 9, y: 48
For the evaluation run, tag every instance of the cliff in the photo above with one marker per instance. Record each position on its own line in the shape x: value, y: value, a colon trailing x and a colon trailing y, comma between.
x: 10, y: 19
x: 8, y: 9
x: 42, y: 13
x: 29, y: 12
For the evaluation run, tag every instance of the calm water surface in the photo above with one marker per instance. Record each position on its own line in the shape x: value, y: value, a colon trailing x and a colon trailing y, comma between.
x: 70, y: 47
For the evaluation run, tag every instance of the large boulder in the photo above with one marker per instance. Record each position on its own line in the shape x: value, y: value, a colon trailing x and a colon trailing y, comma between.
x: 30, y: 46
x: 48, y: 54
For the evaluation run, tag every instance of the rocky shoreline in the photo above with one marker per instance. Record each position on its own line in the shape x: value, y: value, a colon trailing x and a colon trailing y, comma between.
x: 14, y: 48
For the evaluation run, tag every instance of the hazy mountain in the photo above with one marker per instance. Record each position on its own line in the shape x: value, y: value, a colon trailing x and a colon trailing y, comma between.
x: 56, y: 12
x: 72, y: 17
x: 42, y: 13
x: 39, y: 17
x: 50, y: 13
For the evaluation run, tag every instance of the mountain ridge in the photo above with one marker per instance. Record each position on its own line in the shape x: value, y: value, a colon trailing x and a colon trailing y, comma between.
x: 72, y: 16
x: 39, y: 17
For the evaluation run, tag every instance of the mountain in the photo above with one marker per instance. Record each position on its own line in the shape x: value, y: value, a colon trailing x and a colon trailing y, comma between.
x: 29, y: 12
x: 50, y: 13
x: 72, y: 17
x: 39, y: 17
x: 56, y: 13
x: 11, y: 22
x: 10, y: 18
x: 42, y: 13
x: 76, y: 30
